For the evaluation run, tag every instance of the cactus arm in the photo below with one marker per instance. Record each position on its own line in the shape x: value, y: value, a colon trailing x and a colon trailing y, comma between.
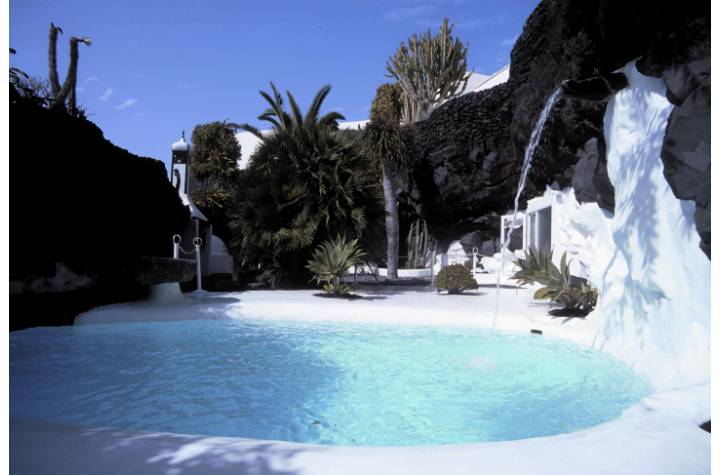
x: 71, y: 78
x: 52, y: 59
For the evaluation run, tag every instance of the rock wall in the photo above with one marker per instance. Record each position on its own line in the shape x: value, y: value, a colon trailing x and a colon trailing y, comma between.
x: 468, y: 154
x: 83, y: 213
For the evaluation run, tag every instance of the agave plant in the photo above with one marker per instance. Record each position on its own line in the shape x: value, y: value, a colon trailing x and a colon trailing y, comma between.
x: 573, y: 294
x: 331, y: 261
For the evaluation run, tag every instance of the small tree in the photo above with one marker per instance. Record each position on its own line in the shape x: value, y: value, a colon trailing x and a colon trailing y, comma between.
x: 387, y: 104
x: 429, y: 69
x: 214, y: 171
x: 455, y: 278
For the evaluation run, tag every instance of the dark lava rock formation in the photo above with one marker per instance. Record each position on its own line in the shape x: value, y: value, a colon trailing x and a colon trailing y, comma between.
x: 468, y: 154
x: 84, y: 216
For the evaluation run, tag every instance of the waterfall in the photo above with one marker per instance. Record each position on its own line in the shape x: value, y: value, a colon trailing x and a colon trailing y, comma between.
x: 527, y: 163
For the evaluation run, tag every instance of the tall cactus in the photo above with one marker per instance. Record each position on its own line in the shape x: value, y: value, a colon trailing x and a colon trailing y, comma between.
x: 429, y: 69
x: 65, y: 97
x: 417, y: 242
x: 52, y: 59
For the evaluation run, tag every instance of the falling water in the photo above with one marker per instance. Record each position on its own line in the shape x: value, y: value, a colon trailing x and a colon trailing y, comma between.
x: 527, y: 162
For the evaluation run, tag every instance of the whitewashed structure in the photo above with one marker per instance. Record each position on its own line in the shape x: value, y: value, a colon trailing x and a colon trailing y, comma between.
x: 533, y: 228
x: 214, y: 256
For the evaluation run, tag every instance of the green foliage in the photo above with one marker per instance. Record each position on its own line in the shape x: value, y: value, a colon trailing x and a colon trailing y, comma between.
x: 538, y: 267
x: 387, y: 144
x: 213, y: 166
x: 387, y: 104
x: 429, y: 69
x: 572, y: 294
x: 31, y: 88
x: 455, y: 278
x: 272, y: 275
x: 305, y: 181
x: 331, y: 260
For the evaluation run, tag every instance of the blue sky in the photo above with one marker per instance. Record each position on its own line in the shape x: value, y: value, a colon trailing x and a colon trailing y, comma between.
x: 159, y: 66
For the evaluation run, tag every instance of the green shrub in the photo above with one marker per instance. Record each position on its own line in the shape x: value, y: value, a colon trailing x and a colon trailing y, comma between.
x: 574, y: 295
x: 455, y: 278
x: 330, y: 262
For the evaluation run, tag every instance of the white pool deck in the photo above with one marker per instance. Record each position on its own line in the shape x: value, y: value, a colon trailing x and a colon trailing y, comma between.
x: 659, y: 435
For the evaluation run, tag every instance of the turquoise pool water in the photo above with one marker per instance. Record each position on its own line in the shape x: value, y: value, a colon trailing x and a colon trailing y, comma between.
x: 337, y: 384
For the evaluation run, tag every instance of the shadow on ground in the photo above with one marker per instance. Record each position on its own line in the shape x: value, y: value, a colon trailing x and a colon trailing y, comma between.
x: 123, y: 452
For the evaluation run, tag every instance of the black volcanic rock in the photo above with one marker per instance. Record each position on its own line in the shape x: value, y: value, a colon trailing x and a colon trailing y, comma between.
x: 83, y: 207
x: 590, y: 180
x: 686, y: 156
x: 458, y: 175
x: 596, y: 88
x: 468, y: 154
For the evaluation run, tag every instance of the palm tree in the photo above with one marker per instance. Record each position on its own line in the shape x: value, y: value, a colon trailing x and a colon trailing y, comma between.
x: 388, y: 144
x: 291, y: 129
x: 304, y: 180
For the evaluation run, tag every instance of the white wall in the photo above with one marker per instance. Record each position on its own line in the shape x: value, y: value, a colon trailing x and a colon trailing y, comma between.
x: 645, y: 258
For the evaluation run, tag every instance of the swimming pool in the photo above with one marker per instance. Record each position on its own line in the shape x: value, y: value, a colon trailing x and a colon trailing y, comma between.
x: 320, y: 383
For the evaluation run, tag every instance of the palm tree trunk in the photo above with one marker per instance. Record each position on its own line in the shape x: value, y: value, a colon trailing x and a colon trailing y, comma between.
x: 392, y: 224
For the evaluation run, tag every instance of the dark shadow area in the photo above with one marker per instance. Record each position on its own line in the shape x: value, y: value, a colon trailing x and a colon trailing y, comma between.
x: 216, y: 283
x: 409, y: 282
x: 211, y: 299
x: 502, y: 286
x: 565, y: 312
x: 95, y: 450
x: 349, y: 297
x: 705, y: 426
x: 61, y: 308
x: 391, y: 289
x: 462, y: 294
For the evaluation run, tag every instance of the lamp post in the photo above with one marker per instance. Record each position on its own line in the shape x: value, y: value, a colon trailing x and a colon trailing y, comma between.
x: 475, y: 254
x: 197, y: 242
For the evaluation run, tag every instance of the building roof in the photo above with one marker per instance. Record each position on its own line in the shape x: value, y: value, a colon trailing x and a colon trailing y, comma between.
x: 474, y: 81
x: 498, y: 77
x: 181, y: 145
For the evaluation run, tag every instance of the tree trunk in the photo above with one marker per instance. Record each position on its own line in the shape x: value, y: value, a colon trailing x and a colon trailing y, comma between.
x: 392, y: 224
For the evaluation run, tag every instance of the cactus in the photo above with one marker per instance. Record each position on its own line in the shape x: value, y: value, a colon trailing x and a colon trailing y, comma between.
x: 65, y: 97
x: 417, y: 242
x: 429, y: 69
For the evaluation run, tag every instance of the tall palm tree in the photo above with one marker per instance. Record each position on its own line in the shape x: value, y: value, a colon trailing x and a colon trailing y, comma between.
x: 388, y: 144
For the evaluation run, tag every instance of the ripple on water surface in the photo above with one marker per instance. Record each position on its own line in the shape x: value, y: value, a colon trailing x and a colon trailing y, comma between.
x: 339, y: 384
